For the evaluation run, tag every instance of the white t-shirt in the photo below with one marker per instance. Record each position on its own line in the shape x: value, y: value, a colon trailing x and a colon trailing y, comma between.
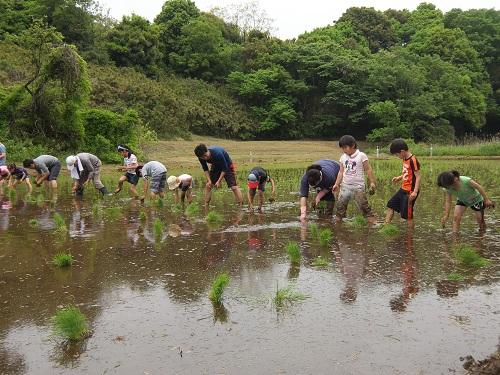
x: 131, y: 160
x: 186, y: 180
x: 354, y: 173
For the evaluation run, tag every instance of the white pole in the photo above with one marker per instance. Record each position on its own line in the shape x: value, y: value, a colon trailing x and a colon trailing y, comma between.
x: 431, y: 150
x: 378, y: 151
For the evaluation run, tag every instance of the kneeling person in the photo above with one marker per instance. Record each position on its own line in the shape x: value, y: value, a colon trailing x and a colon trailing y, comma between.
x: 257, y: 180
x: 155, y: 178
x: 185, y: 183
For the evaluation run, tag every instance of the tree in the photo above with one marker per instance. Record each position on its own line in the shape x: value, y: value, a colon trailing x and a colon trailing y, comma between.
x: 425, y: 16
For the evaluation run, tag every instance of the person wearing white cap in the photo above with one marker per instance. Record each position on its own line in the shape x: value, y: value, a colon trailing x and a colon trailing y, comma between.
x: 185, y: 183
x: 257, y: 180
x: 85, y: 167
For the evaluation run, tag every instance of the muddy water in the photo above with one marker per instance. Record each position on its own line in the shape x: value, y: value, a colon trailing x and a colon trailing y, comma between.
x: 383, y: 305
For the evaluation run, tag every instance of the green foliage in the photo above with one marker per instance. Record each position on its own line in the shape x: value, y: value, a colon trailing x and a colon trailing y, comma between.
x: 218, y: 286
x: 455, y: 276
x: 96, y: 210
x: 158, y: 227
x: 358, y: 222
x: 62, y: 260
x: 287, y: 295
x: 142, y: 216
x: 325, y: 236
x: 293, y: 251
x: 59, y: 222
x: 313, y: 228
x: 70, y: 323
x: 319, y: 262
x: 112, y: 213
x: 466, y: 255
x: 213, y: 217
x: 389, y: 230
x: 193, y: 209
x: 33, y: 222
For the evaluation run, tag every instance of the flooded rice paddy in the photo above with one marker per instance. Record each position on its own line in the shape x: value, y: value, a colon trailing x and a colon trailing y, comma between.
x: 380, y: 304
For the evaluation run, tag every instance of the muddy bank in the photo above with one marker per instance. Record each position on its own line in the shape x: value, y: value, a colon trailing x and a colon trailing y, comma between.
x: 488, y: 366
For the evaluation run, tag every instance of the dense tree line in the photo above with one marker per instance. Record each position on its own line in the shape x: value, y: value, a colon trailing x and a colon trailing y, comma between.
x: 419, y: 74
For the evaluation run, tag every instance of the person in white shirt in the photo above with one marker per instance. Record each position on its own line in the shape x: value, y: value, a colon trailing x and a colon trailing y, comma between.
x: 130, y: 165
x: 185, y: 183
x: 351, y: 179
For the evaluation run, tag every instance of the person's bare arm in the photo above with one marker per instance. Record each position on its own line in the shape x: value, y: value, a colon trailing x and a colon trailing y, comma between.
x: 371, y: 176
x: 340, y: 176
x: 487, y: 201
x: 447, y: 208
x: 303, y: 208
x: 414, y: 193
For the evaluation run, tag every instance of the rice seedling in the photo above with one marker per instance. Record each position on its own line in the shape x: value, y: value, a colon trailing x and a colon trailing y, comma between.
x: 96, y: 210
x: 192, y: 209
x: 70, y: 323
x: 293, y: 251
x: 160, y: 203
x: 60, y: 223
x: 40, y: 200
x: 33, y: 222
x: 142, y: 216
x: 319, y: 262
x: 62, y: 260
x: 112, y: 213
x: 325, y: 236
x: 359, y: 222
x: 176, y: 208
x: 12, y: 195
x: 455, y: 276
x: 313, y: 228
x: 466, y: 255
x: 158, y: 227
x: 213, y: 217
x: 218, y: 286
x: 389, y: 230
x: 287, y: 295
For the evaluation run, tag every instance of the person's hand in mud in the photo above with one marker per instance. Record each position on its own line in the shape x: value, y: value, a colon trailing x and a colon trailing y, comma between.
x: 371, y: 189
x: 272, y: 198
x: 489, y: 203
x: 218, y: 183
x: 209, y: 184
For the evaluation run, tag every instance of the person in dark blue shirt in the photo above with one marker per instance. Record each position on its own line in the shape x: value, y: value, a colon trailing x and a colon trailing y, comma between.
x: 222, y: 167
x: 322, y: 176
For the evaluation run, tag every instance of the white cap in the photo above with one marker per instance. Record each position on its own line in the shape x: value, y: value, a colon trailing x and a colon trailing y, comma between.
x: 70, y: 162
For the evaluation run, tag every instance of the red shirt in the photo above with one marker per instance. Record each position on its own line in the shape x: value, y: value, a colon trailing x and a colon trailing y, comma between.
x: 410, y: 166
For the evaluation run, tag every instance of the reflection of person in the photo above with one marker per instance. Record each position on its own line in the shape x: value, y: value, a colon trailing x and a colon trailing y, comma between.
x: 85, y: 167
x: 469, y: 194
x: 47, y: 167
x: 322, y: 176
x: 351, y: 179
x: 18, y: 176
x: 130, y: 165
x: 351, y: 263
x: 185, y: 183
x: 404, y: 200
x: 222, y: 167
x: 257, y: 180
x: 155, y: 178
x: 410, y: 280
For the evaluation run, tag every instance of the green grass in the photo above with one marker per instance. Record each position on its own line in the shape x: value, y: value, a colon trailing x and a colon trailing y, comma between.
x: 389, y: 230
x: 293, y: 251
x: 325, y: 236
x: 96, y: 210
x: 142, y: 216
x: 218, y: 286
x: 287, y: 295
x: 313, y: 228
x: 158, y: 227
x: 319, y: 262
x: 193, y: 209
x: 467, y: 256
x: 62, y: 260
x: 455, y: 276
x: 160, y: 203
x: 112, y: 213
x: 213, y: 217
x: 358, y: 222
x: 176, y: 208
x: 70, y: 323
x: 33, y: 222
x: 60, y: 223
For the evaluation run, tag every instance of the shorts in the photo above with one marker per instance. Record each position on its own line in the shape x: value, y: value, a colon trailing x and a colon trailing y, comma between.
x: 158, y: 183
x: 185, y: 187
x: 21, y: 178
x: 230, y: 176
x: 261, y: 187
x: 359, y: 195
x: 329, y: 197
x: 54, y: 172
x: 400, y: 203
x: 475, y: 207
x: 132, y: 178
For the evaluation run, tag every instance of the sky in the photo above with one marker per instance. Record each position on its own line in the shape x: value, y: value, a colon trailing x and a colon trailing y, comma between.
x: 291, y: 17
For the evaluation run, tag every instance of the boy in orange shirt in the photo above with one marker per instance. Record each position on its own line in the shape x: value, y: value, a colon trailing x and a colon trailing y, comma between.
x: 404, y: 200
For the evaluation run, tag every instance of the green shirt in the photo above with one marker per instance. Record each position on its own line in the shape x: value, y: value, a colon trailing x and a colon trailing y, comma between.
x: 466, y: 193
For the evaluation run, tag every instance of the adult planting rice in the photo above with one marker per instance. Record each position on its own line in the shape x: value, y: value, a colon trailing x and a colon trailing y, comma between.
x: 85, y: 167
x: 257, y: 180
x: 155, y: 179
x: 222, y: 167
x: 321, y: 176
x: 48, y: 168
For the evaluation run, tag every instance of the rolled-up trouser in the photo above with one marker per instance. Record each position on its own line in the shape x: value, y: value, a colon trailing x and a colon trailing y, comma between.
x: 95, y: 178
x: 359, y: 195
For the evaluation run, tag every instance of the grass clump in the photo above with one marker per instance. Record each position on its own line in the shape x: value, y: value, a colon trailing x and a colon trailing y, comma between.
x: 325, y: 236
x: 192, y: 209
x: 158, y: 227
x: 218, y: 286
x: 62, y: 260
x: 70, y: 323
x: 176, y: 208
x: 293, y: 251
x: 455, y: 276
x: 160, y: 203
x: 319, y: 262
x: 287, y: 295
x: 466, y: 255
x: 213, y: 217
x: 142, y: 216
x: 96, y: 210
x: 60, y: 223
x: 389, y: 230
x: 313, y: 228
x: 33, y: 222
x: 359, y: 222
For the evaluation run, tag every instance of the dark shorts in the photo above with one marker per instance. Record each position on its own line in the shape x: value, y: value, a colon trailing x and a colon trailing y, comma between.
x: 185, y: 187
x: 400, y: 203
x: 158, y: 183
x: 475, y: 207
x: 54, y: 172
x: 230, y: 176
x: 20, y: 177
x: 132, y: 178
